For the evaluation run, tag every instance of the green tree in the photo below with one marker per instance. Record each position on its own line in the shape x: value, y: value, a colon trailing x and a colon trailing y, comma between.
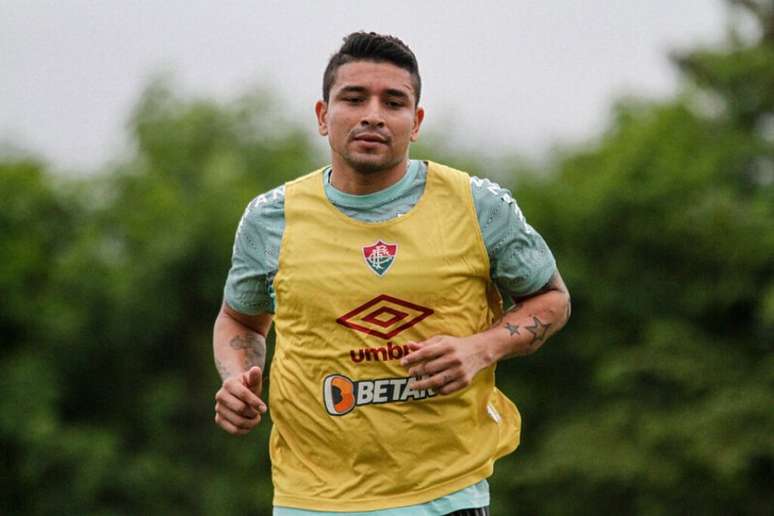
x: 657, y: 397
x: 114, y: 282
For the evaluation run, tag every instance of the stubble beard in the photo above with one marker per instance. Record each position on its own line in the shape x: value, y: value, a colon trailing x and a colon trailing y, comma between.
x: 369, y: 167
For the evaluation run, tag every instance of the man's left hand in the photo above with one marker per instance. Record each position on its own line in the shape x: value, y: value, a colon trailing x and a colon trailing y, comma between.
x: 447, y: 363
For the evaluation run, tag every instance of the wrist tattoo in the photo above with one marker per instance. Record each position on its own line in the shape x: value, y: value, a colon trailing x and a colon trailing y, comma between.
x: 254, y: 347
x: 513, y: 329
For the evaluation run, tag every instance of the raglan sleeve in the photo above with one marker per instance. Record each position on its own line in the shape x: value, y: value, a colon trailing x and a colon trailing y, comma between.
x: 520, y: 260
x: 255, y: 254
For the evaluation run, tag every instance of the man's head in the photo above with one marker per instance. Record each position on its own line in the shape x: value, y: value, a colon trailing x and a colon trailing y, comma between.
x: 378, y: 48
x: 369, y: 110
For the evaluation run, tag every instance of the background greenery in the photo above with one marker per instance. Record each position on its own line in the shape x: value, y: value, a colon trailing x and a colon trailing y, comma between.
x: 656, y: 399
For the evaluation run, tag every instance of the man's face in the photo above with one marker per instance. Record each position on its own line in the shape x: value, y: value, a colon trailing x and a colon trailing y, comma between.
x: 371, y: 116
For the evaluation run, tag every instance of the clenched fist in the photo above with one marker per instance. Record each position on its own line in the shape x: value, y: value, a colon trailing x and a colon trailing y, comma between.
x: 238, y: 406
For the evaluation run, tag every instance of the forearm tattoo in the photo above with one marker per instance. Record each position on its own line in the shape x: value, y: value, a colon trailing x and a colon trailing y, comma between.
x: 538, y: 329
x: 222, y: 369
x: 513, y: 329
x: 254, y: 347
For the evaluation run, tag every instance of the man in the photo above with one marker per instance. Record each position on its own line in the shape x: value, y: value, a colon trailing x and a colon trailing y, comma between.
x: 378, y: 272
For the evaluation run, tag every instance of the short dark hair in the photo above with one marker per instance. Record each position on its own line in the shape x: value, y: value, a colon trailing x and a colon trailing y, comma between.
x: 379, y: 48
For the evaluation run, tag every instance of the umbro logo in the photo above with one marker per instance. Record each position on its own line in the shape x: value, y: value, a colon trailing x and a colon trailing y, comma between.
x: 384, y: 316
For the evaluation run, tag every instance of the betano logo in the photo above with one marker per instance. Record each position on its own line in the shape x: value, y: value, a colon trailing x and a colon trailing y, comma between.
x: 341, y: 394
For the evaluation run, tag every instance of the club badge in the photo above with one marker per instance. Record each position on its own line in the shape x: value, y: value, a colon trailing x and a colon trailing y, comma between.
x: 380, y: 256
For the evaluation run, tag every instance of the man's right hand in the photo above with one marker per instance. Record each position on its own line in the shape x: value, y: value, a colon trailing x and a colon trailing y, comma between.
x: 238, y: 406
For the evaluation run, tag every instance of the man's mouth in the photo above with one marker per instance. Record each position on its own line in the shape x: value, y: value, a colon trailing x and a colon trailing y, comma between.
x: 370, y: 138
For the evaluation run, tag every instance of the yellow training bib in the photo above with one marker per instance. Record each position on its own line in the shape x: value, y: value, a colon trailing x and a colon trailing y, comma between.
x: 349, y: 433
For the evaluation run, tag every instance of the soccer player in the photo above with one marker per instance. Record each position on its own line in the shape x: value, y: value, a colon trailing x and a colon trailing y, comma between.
x: 384, y: 278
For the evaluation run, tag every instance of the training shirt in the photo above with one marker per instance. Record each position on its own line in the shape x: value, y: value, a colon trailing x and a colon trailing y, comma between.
x: 520, y: 263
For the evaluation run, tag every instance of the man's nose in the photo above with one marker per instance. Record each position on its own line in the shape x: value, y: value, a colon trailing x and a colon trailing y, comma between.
x: 372, y: 116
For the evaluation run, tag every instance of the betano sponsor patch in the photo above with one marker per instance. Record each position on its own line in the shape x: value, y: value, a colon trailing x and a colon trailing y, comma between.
x: 341, y: 394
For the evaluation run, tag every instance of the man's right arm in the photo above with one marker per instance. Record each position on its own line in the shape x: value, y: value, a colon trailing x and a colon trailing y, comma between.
x: 239, y: 348
x: 239, y: 339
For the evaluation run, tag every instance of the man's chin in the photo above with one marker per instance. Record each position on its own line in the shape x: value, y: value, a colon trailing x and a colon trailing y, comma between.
x: 371, y: 166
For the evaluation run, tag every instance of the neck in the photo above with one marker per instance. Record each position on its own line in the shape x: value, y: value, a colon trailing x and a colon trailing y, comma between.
x: 348, y: 180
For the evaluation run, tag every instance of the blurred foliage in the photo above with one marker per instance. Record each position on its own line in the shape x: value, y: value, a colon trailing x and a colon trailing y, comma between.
x: 656, y: 399
x: 110, y: 287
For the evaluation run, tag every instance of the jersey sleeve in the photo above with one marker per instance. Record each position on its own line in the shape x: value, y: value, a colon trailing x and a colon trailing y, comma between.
x: 255, y: 255
x: 520, y: 261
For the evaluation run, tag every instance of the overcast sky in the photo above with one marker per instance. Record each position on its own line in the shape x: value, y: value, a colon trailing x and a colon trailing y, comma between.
x: 510, y: 76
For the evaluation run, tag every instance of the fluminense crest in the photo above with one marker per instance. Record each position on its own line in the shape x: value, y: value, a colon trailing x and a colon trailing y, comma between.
x: 380, y: 256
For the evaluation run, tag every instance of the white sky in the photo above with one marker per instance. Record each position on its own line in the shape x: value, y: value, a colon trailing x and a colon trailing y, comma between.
x: 500, y: 76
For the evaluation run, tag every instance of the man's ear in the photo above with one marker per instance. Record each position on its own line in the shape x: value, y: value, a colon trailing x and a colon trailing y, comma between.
x: 419, y: 115
x: 321, y: 110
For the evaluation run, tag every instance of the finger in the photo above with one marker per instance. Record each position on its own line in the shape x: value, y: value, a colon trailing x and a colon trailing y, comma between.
x: 424, y: 353
x: 228, y: 427
x: 434, y: 382
x: 238, y: 389
x: 434, y: 366
x: 431, y: 340
x: 238, y: 406
x: 254, y: 379
x: 236, y: 419
x: 233, y: 388
x: 453, y: 387
x: 414, y: 346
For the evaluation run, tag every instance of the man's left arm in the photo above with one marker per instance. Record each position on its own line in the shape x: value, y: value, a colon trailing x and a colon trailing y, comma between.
x: 450, y: 363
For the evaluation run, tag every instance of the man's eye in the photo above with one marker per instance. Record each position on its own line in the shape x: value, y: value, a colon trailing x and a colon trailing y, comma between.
x: 394, y: 103
x: 352, y: 100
